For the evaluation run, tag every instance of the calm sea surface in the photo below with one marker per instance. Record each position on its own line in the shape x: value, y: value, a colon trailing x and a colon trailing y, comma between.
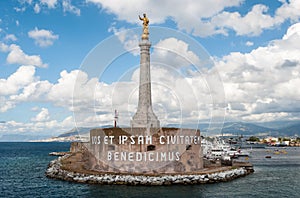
x: 22, y: 168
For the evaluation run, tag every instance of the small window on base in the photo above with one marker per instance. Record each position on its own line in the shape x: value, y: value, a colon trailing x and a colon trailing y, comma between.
x: 150, y: 148
x: 188, y: 147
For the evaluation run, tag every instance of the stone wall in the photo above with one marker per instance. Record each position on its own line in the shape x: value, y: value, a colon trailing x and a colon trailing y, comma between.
x: 55, y: 170
x: 190, y: 159
x: 77, y: 146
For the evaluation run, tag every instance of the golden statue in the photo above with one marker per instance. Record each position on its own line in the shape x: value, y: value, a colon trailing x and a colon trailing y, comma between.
x: 145, y: 20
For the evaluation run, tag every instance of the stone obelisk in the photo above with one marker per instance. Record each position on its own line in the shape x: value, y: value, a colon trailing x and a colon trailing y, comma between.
x: 144, y: 116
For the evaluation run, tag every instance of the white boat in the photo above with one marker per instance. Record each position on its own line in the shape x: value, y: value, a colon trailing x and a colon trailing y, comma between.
x: 217, y: 149
x: 233, y: 153
x: 243, y: 153
x: 217, y: 153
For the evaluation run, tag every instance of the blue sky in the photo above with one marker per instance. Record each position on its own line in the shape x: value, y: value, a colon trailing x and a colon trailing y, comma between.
x: 44, y: 43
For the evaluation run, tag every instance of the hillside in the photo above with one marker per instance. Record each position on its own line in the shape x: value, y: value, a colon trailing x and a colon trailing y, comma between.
x: 235, y: 128
x: 75, y: 131
x: 242, y: 128
x: 291, y: 130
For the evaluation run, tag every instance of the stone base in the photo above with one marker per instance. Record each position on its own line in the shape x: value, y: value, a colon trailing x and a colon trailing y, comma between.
x: 56, y: 170
x: 169, y: 157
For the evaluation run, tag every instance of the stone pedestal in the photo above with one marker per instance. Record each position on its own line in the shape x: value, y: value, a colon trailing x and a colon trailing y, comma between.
x: 145, y: 117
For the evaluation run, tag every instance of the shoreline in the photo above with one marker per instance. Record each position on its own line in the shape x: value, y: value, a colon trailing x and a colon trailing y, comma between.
x: 56, y: 171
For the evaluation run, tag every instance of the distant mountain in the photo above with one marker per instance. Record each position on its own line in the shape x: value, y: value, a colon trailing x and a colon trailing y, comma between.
x: 291, y: 130
x: 237, y: 128
x: 281, y: 128
x: 242, y: 128
x: 188, y: 126
x: 277, y: 124
x: 75, y: 131
x: 75, y: 134
x: 80, y: 131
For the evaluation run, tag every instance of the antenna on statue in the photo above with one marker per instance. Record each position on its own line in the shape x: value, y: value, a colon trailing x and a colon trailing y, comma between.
x: 116, y: 118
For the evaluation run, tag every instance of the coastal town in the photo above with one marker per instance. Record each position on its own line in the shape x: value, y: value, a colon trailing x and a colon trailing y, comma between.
x: 228, y: 147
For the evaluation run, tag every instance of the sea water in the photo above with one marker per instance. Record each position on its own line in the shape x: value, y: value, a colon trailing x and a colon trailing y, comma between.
x: 23, y: 165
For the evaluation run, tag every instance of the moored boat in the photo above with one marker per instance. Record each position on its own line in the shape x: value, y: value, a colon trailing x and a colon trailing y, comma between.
x: 268, y: 156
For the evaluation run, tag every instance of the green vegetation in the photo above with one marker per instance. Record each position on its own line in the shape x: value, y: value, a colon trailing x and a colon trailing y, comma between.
x: 253, y: 139
x: 281, y: 139
x: 286, y: 139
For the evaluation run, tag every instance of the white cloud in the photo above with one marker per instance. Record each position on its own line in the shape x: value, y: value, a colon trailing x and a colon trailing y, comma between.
x: 17, y: 56
x: 128, y: 38
x: 180, y: 96
x: 35, y: 108
x: 42, y: 116
x: 21, y: 78
x: 253, y: 23
x: 249, y: 43
x: 4, y: 47
x: 174, y: 52
x: 294, y: 30
x: 62, y: 92
x: 5, y: 104
x: 43, y: 127
x: 22, y: 86
x: 74, y: 84
x: 159, y: 12
x: 37, y: 8
x: 179, y: 11
x: 289, y: 10
x: 35, y: 91
x: 27, y: 1
x: 50, y: 3
x: 10, y: 37
x: 19, y: 9
x: 172, y: 96
x: 261, y: 85
x: 68, y: 7
x: 42, y: 37
x: 68, y: 122
x: 205, y: 18
x: 65, y: 5
x: 15, y: 83
x: 264, y: 82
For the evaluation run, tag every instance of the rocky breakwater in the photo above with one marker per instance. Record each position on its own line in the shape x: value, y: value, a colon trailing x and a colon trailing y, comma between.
x: 55, y: 170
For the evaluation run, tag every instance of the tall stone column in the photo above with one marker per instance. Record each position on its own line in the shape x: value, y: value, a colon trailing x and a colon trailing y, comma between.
x: 145, y: 117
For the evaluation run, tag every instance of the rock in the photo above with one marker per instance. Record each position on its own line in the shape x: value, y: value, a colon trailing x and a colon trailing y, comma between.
x: 54, y: 170
x: 222, y: 175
